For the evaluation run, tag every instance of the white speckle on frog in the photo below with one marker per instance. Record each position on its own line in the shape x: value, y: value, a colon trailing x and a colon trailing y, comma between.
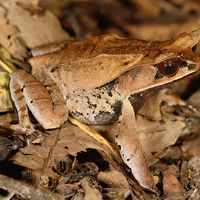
x: 99, y: 106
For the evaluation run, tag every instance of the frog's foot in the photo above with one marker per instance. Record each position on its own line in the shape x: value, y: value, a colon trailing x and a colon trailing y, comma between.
x: 130, y: 147
x: 28, y: 91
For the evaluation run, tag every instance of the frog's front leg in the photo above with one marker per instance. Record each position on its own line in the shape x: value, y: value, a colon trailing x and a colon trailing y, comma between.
x: 130, y: 147
x: 27, y: 90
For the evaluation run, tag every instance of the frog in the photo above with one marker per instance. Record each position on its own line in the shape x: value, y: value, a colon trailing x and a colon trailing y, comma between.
x: 96, y: 79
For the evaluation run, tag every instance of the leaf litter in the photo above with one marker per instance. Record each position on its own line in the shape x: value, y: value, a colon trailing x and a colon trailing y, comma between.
x: 160, y: 122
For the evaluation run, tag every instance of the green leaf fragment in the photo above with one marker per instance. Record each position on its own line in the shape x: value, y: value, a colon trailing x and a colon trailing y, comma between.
x: 6, y: 61
x: 5, y: 99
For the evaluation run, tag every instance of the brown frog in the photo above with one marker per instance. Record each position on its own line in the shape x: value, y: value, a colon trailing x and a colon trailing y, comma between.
x: 95, y: 79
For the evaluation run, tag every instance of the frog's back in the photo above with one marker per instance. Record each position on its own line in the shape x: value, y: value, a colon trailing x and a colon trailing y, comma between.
x: 93, y: 62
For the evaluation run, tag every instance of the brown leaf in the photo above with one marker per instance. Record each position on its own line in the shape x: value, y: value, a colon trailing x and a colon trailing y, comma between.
x: 152, y: 107
x: 56, y: 146
x: 160, y: 31
x: 21, y: 29
x: 172, y: 188
x: 90, y: 189
x: 157, y: 126
x: 193, y: 169
x: 194, y: 99
x: 17, y: 188
x: 113, y: 178
x: 46, y: 29
x: 191, y: 147
x: 156, y: 136
x: 116, y: 184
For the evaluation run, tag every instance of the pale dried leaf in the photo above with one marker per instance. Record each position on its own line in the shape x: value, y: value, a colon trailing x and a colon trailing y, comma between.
x: 91, y: 192
x: 5, y: 61
x: 36, y: 29
x: 156, y: 136
x: 113, y: 178
x: 67, y: 190
x: 157, y: 126
x: 152, y: 107
x: 118, y: 193
x: 8, y: 37
x: 20, y: 28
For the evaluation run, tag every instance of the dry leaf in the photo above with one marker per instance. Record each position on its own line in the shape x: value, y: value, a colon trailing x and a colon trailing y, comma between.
x: 194, y: 99
x: 35, y: 29
x: 160, y: 31
x: 157, y: 126
x: 8, y: 118
x: 55, y: 147
x: 113, y: 178
x: 67, y: 190
x: 21, y: 29
x: 14, y: 188
x: 191, y: 147
x: 190, y: 177
x: 152, y: 107
x: 71, y: 140
x: 90, y: 189
x: 193, y: 168
x: 6, y: 61
x: 117, y: 185
x: 156, y: 136
x: 172, y: 188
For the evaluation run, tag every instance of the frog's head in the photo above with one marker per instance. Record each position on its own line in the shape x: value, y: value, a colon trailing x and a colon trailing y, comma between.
x: 178, y: 57
x: 168, y: 62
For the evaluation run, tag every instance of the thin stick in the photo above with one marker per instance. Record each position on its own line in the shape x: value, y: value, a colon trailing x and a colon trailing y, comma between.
x: 6, y: 67
x: 95, y: 135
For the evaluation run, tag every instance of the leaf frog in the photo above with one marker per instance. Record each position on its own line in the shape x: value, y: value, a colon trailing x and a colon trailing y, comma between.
x: 94, y: 80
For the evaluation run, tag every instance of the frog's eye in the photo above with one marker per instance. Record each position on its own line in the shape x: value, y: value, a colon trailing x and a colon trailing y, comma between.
x: 169, y: 67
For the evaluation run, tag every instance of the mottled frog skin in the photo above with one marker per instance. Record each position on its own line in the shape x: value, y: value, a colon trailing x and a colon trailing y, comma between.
x: 99, y: 106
